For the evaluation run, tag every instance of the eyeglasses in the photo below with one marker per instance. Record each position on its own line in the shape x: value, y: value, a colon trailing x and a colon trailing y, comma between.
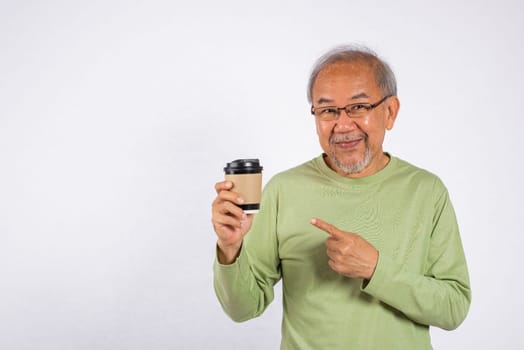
x: 354, y: 110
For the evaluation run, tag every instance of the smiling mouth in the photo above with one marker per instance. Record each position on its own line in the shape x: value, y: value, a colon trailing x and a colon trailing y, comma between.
x: 348, y: 144
x: 346, y: 141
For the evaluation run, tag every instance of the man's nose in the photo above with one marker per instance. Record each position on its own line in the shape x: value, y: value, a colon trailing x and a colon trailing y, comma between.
x: 345, y: 122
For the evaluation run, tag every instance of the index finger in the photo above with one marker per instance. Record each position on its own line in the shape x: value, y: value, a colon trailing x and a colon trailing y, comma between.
x: 326, y: 227
x: 223, y: 185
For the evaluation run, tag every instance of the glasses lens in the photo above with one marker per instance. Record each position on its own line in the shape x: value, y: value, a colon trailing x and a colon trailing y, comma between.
x: 327, y: 113
x: 358, y: 109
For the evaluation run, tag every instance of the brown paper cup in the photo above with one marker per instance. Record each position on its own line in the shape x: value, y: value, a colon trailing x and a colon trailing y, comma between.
x: 246, y: 176
x: 249, y: 186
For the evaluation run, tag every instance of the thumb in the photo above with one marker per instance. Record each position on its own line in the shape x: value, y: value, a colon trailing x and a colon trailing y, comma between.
x: 327, y: 227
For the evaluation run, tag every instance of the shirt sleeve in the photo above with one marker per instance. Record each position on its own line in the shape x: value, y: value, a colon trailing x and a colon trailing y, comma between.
x: 441, y: 295
x: 245, y: 288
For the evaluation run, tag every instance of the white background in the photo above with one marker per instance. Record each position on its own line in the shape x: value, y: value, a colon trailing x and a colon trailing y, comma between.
x: 116, y: 118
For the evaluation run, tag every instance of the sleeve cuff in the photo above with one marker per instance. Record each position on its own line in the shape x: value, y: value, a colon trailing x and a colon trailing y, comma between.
x: 383, y: 271
x: 234, y: 271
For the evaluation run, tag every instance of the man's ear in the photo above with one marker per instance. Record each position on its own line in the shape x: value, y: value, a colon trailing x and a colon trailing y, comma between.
x: 392, y: 108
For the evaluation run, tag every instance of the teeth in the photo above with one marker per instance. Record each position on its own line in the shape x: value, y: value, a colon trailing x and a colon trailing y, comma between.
x: 344, y: 141
x: 346, y: 138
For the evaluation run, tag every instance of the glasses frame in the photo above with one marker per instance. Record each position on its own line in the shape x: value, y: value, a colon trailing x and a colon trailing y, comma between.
x: 347, y: 108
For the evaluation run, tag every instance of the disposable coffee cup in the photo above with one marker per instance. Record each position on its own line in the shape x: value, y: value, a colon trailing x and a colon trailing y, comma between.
x: 246, y: 176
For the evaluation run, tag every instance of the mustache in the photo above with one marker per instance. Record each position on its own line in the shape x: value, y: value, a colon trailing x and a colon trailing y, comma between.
x: 347, y: 137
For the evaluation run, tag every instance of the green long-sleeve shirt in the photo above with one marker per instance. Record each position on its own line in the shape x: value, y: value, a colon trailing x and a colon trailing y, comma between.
x: 421, y: 278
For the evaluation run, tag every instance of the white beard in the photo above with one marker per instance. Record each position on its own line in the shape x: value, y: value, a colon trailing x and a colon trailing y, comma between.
x: 352, y: 168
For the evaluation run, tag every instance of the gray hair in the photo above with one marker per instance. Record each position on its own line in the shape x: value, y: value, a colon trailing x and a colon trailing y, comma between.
x: 353, y: 53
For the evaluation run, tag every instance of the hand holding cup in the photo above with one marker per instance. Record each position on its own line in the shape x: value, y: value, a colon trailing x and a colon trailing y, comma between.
x: 238, y: 198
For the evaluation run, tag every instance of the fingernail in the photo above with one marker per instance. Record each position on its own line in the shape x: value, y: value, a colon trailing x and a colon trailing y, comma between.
x: 313, y: 221
x: 240, y: 200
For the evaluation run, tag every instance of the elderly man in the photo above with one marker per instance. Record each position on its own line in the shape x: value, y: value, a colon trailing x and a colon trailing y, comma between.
x: 366, y: 244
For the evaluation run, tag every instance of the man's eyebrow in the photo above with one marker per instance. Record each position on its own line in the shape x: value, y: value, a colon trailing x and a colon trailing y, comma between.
x: 324, y: 100
x: 354, y: 97
x: 361, y: 95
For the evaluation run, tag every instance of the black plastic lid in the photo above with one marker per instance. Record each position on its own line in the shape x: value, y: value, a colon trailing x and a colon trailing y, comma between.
x: 243, y: 166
